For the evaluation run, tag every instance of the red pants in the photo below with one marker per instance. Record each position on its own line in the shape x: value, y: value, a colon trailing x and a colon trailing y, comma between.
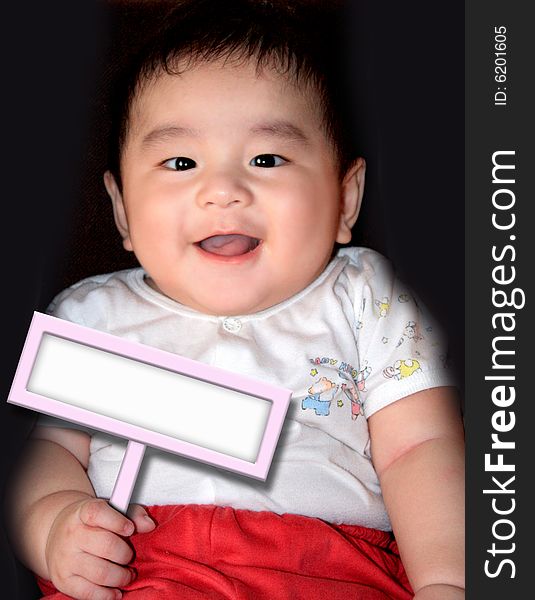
x: 199, y: 552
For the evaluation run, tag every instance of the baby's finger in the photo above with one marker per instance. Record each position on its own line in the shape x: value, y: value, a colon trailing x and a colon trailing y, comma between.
x: 82, y: 589
x: 141, y: 519
x: 98, y: 513
x: 103, y: 572
x: 106, y: 544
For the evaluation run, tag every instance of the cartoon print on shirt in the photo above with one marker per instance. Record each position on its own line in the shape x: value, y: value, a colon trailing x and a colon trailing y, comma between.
x: 321, y: 394
x: 324, y: 390
x: 383, y: 305
x: 324, y: 360
x: 356, y: 404
x: 360, y: 380
x: 411, y: 332
x: 352, y: 394
x: 402, y: 369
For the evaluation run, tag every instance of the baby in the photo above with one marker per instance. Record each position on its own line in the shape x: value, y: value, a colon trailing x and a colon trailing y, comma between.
x: 232, y: 182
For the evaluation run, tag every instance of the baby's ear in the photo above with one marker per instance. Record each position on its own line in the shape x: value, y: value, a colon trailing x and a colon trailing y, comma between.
x: 351, y: 198
x: 119, y: 213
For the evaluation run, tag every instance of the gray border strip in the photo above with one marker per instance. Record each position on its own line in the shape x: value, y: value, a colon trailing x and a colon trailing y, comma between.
x: 492, y: 128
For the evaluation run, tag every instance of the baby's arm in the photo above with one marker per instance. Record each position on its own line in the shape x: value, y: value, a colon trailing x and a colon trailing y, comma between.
x: 418, y: 453
x: 60, y: 530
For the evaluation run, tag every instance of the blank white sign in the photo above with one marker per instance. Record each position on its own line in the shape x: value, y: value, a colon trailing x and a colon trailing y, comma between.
x: 188, y: 409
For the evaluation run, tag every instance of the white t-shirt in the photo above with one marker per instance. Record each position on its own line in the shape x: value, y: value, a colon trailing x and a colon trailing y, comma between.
x: 352, y: 342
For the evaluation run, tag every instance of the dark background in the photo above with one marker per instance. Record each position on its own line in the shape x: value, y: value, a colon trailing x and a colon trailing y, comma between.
x: 406, y: 62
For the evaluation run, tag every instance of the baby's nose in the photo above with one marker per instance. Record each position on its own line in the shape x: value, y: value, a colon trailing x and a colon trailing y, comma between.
x: 224, y: 190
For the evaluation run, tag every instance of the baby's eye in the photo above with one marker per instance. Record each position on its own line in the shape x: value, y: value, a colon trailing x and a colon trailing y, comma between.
x: 180, y: 163
x: 267, y: 161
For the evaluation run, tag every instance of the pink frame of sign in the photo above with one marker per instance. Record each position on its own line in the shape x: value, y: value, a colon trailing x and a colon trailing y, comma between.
x: 43, y: 324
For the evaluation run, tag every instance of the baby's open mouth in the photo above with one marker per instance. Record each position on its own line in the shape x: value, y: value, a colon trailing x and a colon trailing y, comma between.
x: 233, y: 244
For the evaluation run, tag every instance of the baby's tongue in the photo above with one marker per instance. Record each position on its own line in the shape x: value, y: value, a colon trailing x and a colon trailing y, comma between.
x: 229, y: 245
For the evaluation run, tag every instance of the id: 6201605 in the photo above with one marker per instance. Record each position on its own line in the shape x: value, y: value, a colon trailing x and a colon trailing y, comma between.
x: 500, y: 65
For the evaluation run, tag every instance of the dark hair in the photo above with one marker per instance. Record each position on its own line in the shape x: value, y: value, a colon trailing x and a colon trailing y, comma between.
x: 298, y: 38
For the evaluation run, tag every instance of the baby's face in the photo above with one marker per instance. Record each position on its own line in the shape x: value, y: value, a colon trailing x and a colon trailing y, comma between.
x: 231, y: 200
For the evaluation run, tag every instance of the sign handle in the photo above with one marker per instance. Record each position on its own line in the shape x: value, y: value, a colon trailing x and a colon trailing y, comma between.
x: 124, y: 485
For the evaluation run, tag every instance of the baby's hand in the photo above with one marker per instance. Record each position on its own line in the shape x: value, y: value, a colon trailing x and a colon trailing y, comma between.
x: 85, y: 550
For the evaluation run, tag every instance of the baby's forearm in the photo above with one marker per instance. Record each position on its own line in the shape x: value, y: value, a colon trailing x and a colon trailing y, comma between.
x: 424, y: 493
x: 48, y: 479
